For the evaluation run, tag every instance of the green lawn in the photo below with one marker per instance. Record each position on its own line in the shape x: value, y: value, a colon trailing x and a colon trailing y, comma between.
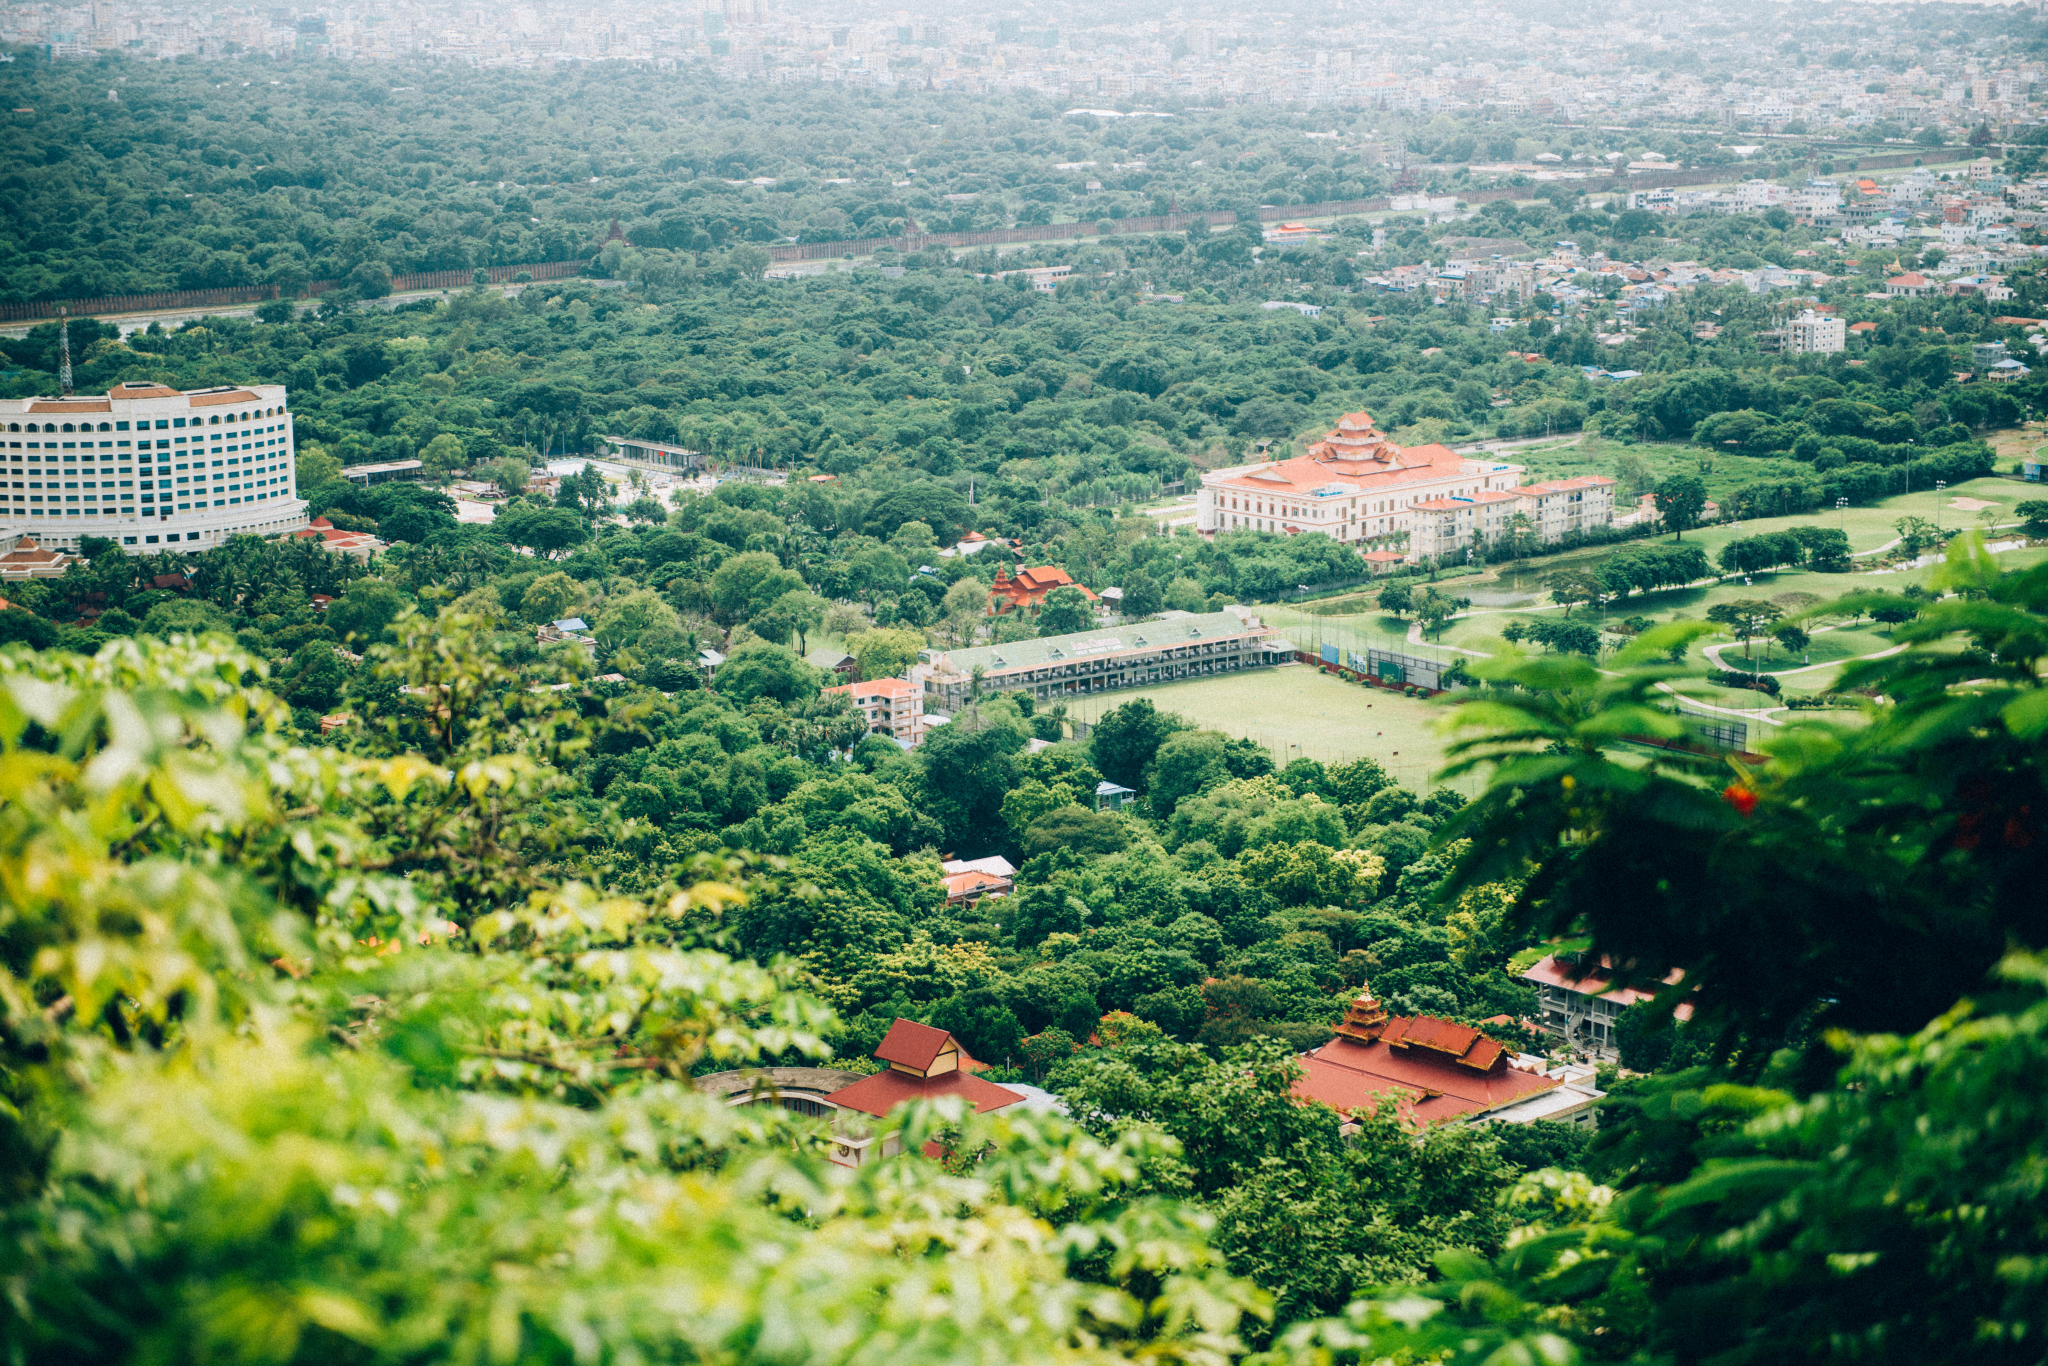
x: 1299, y: 712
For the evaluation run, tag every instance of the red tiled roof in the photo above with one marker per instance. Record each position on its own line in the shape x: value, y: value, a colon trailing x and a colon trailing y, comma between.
x: 1425, y: 1079
x: 884, y: 1091
x: 911, y: 1044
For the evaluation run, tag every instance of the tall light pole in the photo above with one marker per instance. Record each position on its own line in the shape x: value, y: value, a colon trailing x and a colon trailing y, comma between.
x: 1842, y: 507
x: 1939, y: 485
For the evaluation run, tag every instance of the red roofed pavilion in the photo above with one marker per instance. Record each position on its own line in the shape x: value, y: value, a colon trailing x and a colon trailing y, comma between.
x: 1028, y: 590
x: 1437, y: 1072
x: 924, y: 1063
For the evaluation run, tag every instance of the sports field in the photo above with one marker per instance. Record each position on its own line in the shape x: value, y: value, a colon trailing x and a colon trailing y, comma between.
x: 1299, y: 712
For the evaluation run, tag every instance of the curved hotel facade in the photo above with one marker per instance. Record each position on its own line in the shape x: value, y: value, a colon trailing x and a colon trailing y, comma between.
x: 153, y: 468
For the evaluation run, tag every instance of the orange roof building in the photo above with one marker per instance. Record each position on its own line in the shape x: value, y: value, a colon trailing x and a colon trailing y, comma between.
x: 923, y: 1063
x: 1358, y: 488
x: 1026, y: 592
x: 1434, y: 1072
x: 894, y: 707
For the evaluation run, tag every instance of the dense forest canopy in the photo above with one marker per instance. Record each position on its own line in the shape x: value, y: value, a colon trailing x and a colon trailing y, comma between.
x: 361, y: 941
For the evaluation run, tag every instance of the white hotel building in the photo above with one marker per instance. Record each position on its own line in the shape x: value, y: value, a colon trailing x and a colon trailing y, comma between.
x: 154, y: 468
x: 1360, y: 489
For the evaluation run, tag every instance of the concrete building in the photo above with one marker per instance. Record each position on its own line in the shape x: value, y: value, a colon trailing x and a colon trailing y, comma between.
x: 1444, y: 527
x: 894, y: 707
x: 1354, y: 486
x: 1176, y: 645
x: 1814, y: 333
x: 150, y: 467
x: 1581, y: 1003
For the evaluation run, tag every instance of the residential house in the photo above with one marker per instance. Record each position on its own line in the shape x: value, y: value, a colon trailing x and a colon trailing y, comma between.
x: 360, y: 545
x: 567, y: 631
x: 1111, y: 796
x: 1434, y: 1072
x: 1911, y: 285
x: 893, y: 707
x: 836, y: 662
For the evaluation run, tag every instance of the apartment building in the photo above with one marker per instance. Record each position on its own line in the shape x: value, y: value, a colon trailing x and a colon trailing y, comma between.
x: 894, y: 707
x: 1812, y: 334
x: 150, y: 467
x: 1446, y: 527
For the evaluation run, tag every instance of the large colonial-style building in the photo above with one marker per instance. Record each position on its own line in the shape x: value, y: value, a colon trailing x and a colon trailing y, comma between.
x: 1176, y: 645
x: 150, y: 467
x: 1359, y: 488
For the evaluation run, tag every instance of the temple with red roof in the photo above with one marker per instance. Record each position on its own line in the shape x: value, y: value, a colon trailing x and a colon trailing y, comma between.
x: 1436, y: 1072
x: 1027, y: 591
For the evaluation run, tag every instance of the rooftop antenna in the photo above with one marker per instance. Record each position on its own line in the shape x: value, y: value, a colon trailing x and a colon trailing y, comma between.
x: 64, y: 352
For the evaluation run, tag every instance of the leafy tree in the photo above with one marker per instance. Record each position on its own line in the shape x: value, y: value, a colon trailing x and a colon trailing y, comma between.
x: 1748, y: 618
x: 549, y: 532
x: 760, y: 668
x: 1126, y: 738
x: 365, y: 610
x: 1395, y: 598
x: 1183, y: 764
x: 1681, y: 501
x: 1142, y: 595
x: 1075, y: 828
x: 1065, y: 612
x: 747, y: 584
x: 885, y: 653
x: 551, y: 597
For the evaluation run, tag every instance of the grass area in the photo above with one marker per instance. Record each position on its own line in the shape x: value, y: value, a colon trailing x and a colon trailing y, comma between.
x: 1299, y: 712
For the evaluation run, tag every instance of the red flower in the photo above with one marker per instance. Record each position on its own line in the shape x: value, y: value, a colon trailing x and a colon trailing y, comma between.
x: 1739, y: 797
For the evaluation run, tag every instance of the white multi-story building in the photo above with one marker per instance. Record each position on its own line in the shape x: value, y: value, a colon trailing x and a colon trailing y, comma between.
x: 1449, y: 526
x: 1354, y: 486
x: 151, y: 467
x: 1358, y: 488
x: 1814, y: 333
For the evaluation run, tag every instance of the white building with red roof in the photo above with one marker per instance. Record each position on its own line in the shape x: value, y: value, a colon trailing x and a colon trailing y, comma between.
x: 1444, y: 527
x: 1359, y: 488
x: 1354, y: 486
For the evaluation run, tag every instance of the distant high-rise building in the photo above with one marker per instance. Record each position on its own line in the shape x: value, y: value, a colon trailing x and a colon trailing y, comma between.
x: 151, y: 467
